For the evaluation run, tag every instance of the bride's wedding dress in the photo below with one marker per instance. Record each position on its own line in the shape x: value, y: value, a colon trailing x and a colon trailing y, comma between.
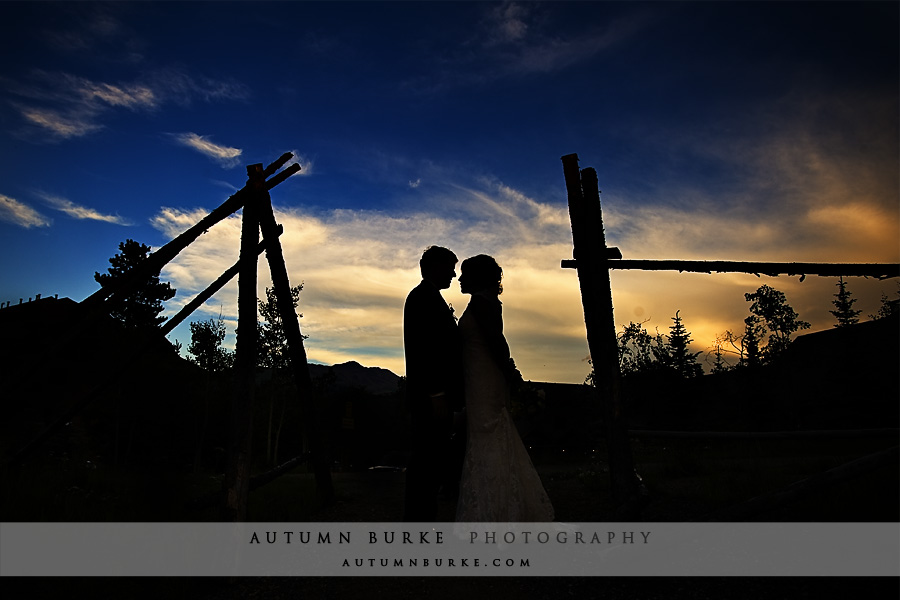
x: 499, y: 482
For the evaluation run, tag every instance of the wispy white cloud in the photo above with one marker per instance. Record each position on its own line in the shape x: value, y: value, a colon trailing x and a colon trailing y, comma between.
x: 224, y: 184
x: 63, y: 106
x: 226, y: 156
x: 19, y: 213
x: 76, y: 123
x: 307, y: 164
x: 80, y: 212
x: 132, y: 96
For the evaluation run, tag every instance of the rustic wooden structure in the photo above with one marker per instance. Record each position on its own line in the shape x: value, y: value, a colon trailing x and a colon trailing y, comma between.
x: 593, y: 261
x: 257, y: 216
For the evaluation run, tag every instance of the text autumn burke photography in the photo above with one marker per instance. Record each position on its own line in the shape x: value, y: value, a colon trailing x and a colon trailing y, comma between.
x: 437, y: 537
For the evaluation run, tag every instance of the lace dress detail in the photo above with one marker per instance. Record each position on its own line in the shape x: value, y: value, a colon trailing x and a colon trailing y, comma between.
x: 499, y: 482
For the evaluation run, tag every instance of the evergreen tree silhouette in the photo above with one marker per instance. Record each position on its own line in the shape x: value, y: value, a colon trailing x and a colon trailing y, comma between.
x: 139, y: 307
x: 751, y: 342
x: 844, y: 314
x: 680, y: 359
x: 720, y: 365
x: 888, y: 307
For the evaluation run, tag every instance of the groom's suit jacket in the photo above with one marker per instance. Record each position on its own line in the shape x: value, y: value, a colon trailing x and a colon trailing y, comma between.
x: 432, y: 347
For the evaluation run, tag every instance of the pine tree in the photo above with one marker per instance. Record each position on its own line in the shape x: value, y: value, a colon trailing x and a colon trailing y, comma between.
x: 140, y: 306
x: 844, y: 314
x: 888, y: 307
x: 720, y: 365
x: 751, y: 350
x: 680, y: 359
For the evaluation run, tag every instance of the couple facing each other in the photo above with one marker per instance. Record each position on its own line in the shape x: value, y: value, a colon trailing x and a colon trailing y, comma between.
x: 464, y: 369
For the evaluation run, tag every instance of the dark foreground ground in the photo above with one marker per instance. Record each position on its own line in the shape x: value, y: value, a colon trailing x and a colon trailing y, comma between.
x: 686, y: 481
x: 579, y: 492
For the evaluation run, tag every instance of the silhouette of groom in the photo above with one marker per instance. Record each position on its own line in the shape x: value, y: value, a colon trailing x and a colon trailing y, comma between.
x: 433, y: 382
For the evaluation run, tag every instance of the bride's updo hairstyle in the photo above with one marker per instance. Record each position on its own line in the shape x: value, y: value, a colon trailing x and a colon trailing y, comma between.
x: 483, y: 273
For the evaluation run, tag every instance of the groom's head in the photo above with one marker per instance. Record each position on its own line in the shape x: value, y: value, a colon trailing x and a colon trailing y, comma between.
x: 438, y: 266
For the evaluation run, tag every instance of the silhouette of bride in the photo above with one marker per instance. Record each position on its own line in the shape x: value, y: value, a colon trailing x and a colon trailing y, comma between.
x: 499, y: 482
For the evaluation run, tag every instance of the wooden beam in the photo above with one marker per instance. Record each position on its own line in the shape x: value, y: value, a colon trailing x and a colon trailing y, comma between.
x: 296, y: 352
x: 239, y: 455
x: 157, y: 260
x: 294, y: 168
x: 277, y: 164
x: 878, y: 270
x: 590, y: 250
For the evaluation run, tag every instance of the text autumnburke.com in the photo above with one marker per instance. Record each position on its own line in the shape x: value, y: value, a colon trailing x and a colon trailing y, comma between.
x: 437, y: 537
x: 461, y: 563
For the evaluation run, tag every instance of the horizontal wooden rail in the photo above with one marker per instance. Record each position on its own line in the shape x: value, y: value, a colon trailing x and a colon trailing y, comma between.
x: 878, y: 270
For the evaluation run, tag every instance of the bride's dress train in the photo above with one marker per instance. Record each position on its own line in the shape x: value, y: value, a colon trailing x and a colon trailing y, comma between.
x: 499, y: 482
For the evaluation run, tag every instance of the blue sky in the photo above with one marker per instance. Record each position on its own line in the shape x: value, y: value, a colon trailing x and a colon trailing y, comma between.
x: 730, y: 131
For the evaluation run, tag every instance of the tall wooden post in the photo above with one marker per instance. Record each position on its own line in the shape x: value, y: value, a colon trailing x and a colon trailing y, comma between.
x: 591, y: 256
x: 296, y: 351
x: 237, y: 476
